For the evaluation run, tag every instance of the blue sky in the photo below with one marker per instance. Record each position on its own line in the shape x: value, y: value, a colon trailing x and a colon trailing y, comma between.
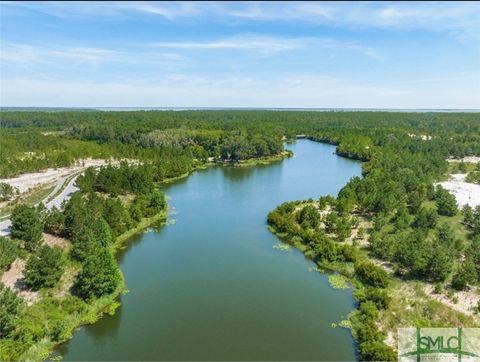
x: 253, y: 54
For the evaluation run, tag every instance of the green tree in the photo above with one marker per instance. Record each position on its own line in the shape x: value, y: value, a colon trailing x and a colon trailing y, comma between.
x: 309, y: 217
x: 440, y: 264
x: 426, y: 218
x: 86, y: 181
x: 377, y: 351
x: 116, y: 216
x: 136, y: 209
x: 85, y: 244
x: 55, y: 222
x: 99, y: 276
x: 44, y: 268
x: 466, y: 275
x: 27, y: 226
x: 343, y: 228
x: 447, y: 205
x: 101, y: 231
x: 156, y: 203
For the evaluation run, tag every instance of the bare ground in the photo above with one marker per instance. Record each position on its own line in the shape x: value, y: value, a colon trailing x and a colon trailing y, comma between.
x: 52, y: 240
x: 27, y: 181
x: 468, y: 159
x: 13, y: 278
x: 467, y: 300
x: 464, y: 192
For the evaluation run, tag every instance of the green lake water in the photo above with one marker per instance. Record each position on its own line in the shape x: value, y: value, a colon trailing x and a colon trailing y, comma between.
x: 210, y: 286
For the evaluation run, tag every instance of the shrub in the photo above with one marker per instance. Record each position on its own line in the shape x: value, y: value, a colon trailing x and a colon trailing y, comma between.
x: 371, y: 274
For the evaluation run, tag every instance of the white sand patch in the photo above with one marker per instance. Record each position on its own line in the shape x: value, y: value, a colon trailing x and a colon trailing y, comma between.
x: 465, y: 193
x: 423, y: 137
x: 390, y: 340
x: 30, y: 180
x: 13, y: 278
x: 52, y: 240
x: 468, y: 159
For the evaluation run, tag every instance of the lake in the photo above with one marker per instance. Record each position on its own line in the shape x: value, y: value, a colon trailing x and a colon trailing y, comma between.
x: 210, y: 285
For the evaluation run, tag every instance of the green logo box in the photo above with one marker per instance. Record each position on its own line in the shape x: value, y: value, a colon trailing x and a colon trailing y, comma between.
x: 439, y: 344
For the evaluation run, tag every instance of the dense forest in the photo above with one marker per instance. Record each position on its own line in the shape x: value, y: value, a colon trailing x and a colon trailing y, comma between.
x: 36, y: 140
x: 395, y: 207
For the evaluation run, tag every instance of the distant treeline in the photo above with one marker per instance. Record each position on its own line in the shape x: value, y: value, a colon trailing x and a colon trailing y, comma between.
x: 31, y: 141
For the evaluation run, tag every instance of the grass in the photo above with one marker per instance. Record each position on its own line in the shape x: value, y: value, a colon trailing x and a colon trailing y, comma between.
x: 410, y: 306
x: 453, y: 167
x: 146, y: 222
x: 31, y: 198
x: 90, y: 314
x: 455, y: 222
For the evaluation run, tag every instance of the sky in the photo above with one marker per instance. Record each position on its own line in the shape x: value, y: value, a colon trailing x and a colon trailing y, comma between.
x: 240, y: 54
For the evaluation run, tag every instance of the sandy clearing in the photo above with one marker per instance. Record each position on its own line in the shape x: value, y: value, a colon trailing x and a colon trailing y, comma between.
x: 468, y: 159
x: 465, y: 193
x: 13, y: 278
x: 27, y: 181
x: 423, y: 137
x: 467, y: 300
x: 52, y: 240
x: 390, y: 340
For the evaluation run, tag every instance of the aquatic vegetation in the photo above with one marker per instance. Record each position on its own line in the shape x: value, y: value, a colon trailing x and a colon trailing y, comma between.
x: 338, y: 281
x: 282, y: 247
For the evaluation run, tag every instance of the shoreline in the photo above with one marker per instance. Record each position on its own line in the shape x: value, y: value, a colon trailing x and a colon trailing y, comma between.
x: 243, y: 163
x: 108, y: 304
x: 409, y: 298
x: 99, y: 307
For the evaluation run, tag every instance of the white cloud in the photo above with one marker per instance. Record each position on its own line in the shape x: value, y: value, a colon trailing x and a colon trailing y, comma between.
x: 434, y: 16
x: 88, y: 9
x: 267, y: 45
x: 260, y: 44
x: 462, y: 17
x: 28, y: 55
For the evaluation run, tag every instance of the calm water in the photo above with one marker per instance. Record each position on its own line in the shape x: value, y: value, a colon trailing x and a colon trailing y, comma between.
x: 212, y: 287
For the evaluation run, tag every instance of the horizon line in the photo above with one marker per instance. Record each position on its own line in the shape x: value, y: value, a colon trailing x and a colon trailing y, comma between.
x: 166, y: 108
